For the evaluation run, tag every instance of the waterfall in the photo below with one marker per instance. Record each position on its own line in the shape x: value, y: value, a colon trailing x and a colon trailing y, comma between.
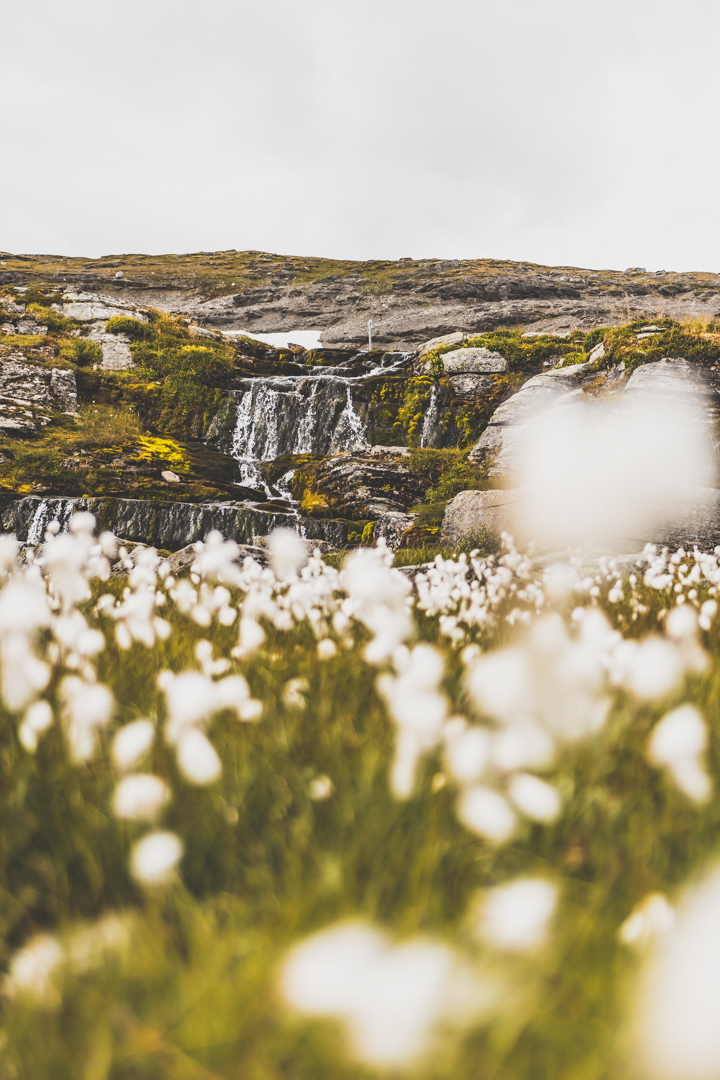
x: 349, y: 433
x: 292, y: 415
x: 48, y: 510
x: 430, y: 418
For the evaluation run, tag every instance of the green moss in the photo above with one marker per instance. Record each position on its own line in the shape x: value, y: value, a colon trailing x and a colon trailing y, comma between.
x: 81, y: 351
x: 415, y: 405
x: 132, y: 328
x: 55, y: 322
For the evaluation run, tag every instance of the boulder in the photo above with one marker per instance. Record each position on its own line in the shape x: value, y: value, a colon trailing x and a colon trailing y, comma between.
x: 391, y: 526
x: 30, y: 394
x: 468, y: 385
x: 480, y: 515
x: 502, y: 438
x: 437, y: 342
x: 367, y: 484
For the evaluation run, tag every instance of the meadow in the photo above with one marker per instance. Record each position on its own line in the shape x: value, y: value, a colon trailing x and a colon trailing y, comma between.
x: 300, y: 821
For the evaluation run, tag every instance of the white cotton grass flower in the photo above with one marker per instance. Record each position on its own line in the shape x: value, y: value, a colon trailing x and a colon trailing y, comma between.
x: 33, y: 967
x: 677, y: 743
x: 390, y: 996
x: 131, y: 743
x: 487, y: 813
x: 197, y: 758
x: 418, y: 707
x: 535, y: 798
x: 655, y: 668
x: 294, y: 692
x: 677, y: 1035
x: 85, y: 708
x: 516, y: 917
x: 650, y: 919
x: 287, y: 553
x: 154, y: 859
x: 321, y: 788
x: 467, y: 751
x: 140, y: 797
x: 326, y: 649
x: 38, y: 718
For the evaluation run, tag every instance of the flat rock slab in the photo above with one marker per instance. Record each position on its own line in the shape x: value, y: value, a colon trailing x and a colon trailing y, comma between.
x: 92, y: 311
x: 437, y: 342
x: 115, y: 349
x: 476, y: 361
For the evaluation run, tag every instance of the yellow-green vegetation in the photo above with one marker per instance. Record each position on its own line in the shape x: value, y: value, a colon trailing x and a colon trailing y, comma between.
x: 164, y: 450
x: 449, y: 473
x: 623, y: 346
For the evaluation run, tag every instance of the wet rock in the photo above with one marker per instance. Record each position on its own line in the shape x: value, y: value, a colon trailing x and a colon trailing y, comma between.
x: 168, y: 525
x: 30, y: 394
x: 363, y: 486
x: 479, y: 515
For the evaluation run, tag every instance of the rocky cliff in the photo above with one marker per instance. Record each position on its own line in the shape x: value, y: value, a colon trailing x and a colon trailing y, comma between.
x: 127, y: 385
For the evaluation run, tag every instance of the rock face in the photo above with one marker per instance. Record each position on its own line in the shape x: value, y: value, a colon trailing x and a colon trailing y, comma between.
x: 30, y: 394
x: 390, y: 527
x: 479, y: 515
x: 168, y: 525
x: 502, y: 439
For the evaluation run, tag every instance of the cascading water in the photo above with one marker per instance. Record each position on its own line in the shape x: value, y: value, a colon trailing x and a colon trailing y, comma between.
x: 430, y: 418
x: 293, y: 415
x: 48, y: 510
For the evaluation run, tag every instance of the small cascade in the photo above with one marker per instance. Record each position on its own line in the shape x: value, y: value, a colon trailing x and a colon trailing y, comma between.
x: 292, y: 415
x: 48, y: 510
x: 350, y: 431
x: 430, y: 418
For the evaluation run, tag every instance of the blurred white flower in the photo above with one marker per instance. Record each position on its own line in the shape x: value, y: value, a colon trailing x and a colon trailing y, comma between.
x: 677, y: 742
x: 486, y: 813
x: 418, y: 708
x: 515, y: 917
x: 467, y: 754
x: 197, y: 757
x: 326, y: 649
x: 535, y: 798
x: 154, y: 858
x: 32, y: 968
x: 287, y: 553
x: 321, y: 788
x: 676, y: 1024
x: 37, y: 719
x: 140, y: 797
x: 132, y: 742
x: 651, y: 918
x: 85, y: 708
x: 294, y: 693
x: 391, y: 997
x: 654, y: 668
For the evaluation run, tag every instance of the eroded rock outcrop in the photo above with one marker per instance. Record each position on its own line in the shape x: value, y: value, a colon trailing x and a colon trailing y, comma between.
x: 30, y: 394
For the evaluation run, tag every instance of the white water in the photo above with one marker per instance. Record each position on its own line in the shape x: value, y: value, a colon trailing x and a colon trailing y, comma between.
x: 430, y: 417
x: 350, y: 431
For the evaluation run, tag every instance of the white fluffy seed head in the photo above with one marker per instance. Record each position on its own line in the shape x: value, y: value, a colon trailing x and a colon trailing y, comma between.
x: 197, y: 757
x: 154, y: 858
x: 487, y: 813
x: 515, y: 917
x: 132, y: 742
x: 140, y: 797
x: 535, y: 798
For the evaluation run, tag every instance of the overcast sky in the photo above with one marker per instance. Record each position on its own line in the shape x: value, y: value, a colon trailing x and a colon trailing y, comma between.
x: 560, y: 131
